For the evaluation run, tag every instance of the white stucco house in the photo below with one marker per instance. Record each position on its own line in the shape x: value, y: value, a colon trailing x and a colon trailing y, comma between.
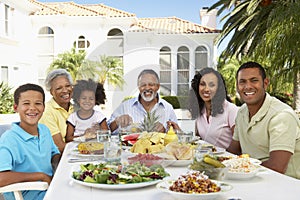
x: 33, y: 33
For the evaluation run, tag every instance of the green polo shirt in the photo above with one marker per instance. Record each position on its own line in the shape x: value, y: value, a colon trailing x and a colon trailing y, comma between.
x: 274, y: 127
x: 55, y: 118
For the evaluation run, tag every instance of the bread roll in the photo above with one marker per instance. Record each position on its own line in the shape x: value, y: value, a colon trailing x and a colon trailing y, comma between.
x: 179, y: 151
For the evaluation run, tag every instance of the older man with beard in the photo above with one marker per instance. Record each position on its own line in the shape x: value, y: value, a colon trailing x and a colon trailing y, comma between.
x: 148, y: 101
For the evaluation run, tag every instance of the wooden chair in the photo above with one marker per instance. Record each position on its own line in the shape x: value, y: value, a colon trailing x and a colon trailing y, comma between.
x: 17, y: 188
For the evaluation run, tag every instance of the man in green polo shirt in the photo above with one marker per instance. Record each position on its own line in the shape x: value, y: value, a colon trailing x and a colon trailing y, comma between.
x: 265, y: 128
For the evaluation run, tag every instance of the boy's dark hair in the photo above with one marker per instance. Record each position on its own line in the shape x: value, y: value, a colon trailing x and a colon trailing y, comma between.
x: 27, y: 87
x: 217, y: 100
x: 250, y: 64
x: 90, y: 85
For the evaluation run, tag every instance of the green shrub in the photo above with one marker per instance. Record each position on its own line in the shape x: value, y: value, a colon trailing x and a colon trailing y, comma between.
x: 6, y: 99
x: 127, y: 98
x: 177, y: 101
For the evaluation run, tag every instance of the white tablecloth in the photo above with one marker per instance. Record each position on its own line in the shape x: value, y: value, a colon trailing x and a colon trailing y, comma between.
x: 266, y: 185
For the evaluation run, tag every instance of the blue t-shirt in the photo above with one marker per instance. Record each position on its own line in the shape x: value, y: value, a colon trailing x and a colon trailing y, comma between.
x: 22, y: 152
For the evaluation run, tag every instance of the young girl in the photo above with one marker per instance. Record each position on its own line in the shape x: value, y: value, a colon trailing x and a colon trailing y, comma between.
x: 83, y: 123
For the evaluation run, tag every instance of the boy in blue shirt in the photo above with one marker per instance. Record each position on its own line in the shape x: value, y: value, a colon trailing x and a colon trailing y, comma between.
x: 27, y: 150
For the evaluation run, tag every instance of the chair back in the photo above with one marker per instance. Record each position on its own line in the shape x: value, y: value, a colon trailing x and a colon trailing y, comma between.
x: 4, y: 127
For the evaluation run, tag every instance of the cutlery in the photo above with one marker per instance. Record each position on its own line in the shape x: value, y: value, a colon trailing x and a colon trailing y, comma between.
x: 74, y: 160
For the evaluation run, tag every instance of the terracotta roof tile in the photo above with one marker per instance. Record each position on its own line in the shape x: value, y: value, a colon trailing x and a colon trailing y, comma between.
x: 109, y: 11
x: 170, y: 25
x: 74, y: 9
x: 166, y: 25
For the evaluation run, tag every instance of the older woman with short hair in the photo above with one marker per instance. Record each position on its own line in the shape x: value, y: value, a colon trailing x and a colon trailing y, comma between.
x: 58, y: 108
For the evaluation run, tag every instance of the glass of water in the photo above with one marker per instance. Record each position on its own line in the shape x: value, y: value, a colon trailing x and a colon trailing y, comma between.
x: 103, y: 136
x: 112, y: 151
x: 185, y: 136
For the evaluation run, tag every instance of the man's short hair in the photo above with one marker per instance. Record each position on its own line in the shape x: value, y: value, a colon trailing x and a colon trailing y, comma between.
x: 248, y: 65
x: 148, y: 71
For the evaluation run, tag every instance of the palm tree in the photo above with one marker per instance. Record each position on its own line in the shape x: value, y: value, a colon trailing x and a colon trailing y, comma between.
x: 265, y: 30
x: 111, y: 70
x: 106, y: 68
x: 6, y: 99
x: 70, y: 60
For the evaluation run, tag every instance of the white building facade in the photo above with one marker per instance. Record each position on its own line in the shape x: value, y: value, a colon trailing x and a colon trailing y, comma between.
x: 32, y: 34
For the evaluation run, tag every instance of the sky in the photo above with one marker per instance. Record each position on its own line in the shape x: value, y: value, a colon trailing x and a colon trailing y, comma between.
x: 184, y: 9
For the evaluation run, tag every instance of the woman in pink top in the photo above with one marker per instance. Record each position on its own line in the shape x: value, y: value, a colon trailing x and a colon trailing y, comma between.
x: 215, y: 114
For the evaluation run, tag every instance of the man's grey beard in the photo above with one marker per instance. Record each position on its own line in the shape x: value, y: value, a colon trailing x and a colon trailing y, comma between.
x: 148, y: 99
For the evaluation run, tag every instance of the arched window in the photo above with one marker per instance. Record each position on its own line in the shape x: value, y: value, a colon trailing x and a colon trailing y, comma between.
x: 114, y: 45
x: 45, y: 50
x: 46, y: 31
x: 81, y: 43
x: 201, y: 58
x: 165, y: 70
x: 183, y: 65
x: 115, y: 32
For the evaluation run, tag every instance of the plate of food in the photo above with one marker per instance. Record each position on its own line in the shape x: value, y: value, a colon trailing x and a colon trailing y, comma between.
x: 177, y: 163
x: 115, y: 176
x: 88, y: 149
x: 194, y: 185
x: 177, y: 154
x: 212, y: 148
x: 241, y: 167
x: 146, y: 159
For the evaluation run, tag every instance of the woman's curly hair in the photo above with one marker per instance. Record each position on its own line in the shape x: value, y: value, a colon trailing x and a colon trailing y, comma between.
x: 217, y: 100
x: 89, y: 85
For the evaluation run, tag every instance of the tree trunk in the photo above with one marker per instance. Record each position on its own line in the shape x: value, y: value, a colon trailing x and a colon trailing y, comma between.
x: 296, y: 102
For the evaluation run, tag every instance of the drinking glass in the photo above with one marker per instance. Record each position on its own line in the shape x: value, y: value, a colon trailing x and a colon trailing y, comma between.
x: 103, y: 135
x: 123, y: 130
x: 185, y: 136
x: 112, y: 151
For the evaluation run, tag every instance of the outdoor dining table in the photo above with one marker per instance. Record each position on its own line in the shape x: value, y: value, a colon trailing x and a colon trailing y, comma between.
x: 267, y: 184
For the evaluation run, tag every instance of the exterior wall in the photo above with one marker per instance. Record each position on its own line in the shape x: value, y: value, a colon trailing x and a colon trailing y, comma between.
x: 140, y: 49
x: 17, y: 49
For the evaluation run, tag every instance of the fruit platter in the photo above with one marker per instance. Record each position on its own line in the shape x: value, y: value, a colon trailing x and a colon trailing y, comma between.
x: 116, y: 176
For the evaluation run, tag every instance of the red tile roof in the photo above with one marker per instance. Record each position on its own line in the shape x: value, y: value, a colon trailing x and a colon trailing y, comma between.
x: 74, y: 9
x: 160, y: 25
x: 171, y: 25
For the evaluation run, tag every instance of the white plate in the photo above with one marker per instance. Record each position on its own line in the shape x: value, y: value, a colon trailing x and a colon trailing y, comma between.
x: 164, y: 187
x: 255, y: 161
x: 241, y: 175
x: 219, y: 149
x: 117, y: 186
x: 76, y: 153
x: 177, y: 163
